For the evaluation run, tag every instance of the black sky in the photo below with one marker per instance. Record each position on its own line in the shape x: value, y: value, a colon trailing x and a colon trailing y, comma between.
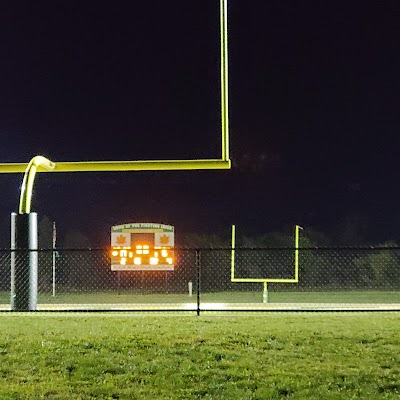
x: 314, y: 111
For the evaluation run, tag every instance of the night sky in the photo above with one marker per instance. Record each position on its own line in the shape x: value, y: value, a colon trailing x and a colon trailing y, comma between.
x: 314, y: 112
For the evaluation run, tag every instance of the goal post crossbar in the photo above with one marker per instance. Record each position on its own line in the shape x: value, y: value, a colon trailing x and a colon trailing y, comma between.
x: 102, y: 166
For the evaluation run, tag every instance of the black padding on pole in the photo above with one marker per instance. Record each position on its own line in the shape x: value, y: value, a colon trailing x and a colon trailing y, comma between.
x: 24, y: 263
x: 21, y: 275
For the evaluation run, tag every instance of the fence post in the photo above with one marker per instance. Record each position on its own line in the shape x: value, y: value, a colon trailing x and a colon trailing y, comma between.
x: 198, y: 268
x: 13, y: 247
x: 24, y: 265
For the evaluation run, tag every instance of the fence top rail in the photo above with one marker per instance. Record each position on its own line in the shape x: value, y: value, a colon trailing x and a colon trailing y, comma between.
x: 314, y: 248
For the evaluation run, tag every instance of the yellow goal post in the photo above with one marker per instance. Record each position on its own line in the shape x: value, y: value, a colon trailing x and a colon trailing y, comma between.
x: 265, y: 281
x: 42, y: 164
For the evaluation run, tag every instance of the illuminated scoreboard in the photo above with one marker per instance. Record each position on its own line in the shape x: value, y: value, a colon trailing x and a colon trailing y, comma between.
x: 142, y: 246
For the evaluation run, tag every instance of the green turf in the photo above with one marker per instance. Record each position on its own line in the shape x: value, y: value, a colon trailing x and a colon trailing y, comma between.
x: 358, y: 297
x: 274, y: 356
x: 306, y: 297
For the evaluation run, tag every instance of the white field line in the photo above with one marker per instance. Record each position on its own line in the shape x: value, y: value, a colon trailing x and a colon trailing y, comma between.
x: 217, y: 307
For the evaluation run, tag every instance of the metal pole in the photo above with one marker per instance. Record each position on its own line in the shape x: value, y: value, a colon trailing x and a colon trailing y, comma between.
x: 233, y: 244
x: 198, y: 280
x: 119, y: 282
x: 33, y: 261
x: 54, y: 259
x: 25, y: 265
x: 13, y: 247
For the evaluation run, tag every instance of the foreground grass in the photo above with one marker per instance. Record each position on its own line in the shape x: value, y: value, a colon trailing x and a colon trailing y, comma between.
x: 274, y: 356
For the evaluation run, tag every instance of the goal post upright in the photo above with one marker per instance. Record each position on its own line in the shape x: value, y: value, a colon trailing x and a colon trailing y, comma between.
x: 224, y: 79
x: 296, y: 251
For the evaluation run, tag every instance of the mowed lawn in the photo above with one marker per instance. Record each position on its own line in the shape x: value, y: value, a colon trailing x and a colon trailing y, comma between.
x: 214, y: 356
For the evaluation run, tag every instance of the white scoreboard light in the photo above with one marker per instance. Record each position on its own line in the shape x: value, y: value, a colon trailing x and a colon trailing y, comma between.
x: 142, y: 246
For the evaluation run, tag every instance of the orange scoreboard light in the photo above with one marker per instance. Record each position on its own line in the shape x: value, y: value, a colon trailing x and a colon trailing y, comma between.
x: 142, y: 246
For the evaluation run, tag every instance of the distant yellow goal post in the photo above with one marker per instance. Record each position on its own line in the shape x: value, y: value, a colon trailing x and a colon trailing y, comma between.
x: 267, y: 280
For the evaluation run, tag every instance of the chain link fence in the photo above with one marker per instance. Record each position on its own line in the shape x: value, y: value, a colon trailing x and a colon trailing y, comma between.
x: 217, y: 279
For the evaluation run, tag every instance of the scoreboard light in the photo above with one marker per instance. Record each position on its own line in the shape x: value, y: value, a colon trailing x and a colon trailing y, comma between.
x: 147, y: 256
x: 142, y: 249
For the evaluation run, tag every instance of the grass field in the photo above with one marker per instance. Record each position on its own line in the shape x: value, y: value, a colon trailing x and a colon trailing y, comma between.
x: 273, y: 356
x: 359, y: 297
